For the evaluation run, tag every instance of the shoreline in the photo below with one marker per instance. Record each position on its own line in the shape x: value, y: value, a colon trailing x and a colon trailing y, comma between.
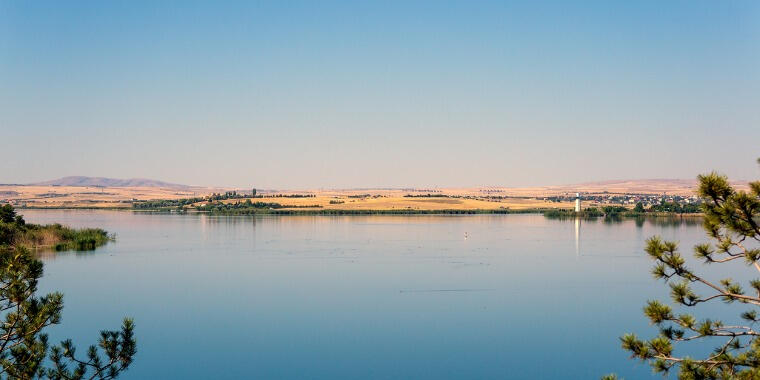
x: 397, y: 212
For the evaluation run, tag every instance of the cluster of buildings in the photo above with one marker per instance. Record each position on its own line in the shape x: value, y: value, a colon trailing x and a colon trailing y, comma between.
x: 646, y: 200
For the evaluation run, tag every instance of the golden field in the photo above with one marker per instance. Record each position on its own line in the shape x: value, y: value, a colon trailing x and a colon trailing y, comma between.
x: 397, y: 202
x: 485, y: 198
x: 89, y: 197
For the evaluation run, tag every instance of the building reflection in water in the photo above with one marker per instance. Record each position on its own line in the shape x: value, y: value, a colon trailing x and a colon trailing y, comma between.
x: 577, y: 237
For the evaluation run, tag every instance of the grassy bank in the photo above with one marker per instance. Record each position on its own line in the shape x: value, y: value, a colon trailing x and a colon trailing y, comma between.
x: 15, y: 232
x: 321, y: 211
x: 368, y: 212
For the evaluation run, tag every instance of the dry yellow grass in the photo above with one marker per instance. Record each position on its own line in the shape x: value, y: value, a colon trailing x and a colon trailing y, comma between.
x: 378, y: 199
x: 94, y: 197
x: 44, y: 238
x: 400, y: 202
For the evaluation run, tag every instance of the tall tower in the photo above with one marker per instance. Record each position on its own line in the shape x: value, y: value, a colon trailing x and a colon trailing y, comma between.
x: 577, y: 202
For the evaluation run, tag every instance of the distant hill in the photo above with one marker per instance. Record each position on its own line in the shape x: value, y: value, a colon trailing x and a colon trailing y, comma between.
x: 109, y: 182
x: 646, y: 182
x: 642, y: 186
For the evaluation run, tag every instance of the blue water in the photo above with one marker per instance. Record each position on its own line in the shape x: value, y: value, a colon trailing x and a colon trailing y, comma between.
x: 371, y: 297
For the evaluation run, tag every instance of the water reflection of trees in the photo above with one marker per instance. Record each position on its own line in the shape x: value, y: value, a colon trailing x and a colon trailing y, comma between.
x: 658, y: 221
x: 571, y: 218
x: 230, y: 219
x: 675, y: 221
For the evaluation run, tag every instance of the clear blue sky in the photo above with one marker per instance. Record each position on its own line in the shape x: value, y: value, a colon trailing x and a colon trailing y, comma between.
x: 359, y: 94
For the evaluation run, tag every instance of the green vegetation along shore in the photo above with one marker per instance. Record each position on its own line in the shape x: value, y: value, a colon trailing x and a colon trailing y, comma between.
x: 663, y: 209
x: 15, y: 232
x: 316, y: 211
x: 233, y: 203
x: 248, y: 207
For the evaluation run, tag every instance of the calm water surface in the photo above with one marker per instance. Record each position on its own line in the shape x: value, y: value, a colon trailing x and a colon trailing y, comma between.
x: 387, y: 297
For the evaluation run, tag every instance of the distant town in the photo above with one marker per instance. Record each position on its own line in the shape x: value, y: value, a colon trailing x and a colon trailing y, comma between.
x: 646, y: 200
x: 637, y: 196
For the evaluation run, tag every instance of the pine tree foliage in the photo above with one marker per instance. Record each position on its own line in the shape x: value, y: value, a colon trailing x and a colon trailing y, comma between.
x: 25, y: 352
x: 731, y: 222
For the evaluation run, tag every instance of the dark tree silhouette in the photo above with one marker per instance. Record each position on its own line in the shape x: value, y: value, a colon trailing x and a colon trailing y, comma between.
x: 731, y: 222
x: 25, y: 352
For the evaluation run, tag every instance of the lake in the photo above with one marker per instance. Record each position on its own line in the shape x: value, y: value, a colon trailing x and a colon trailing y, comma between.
x: 370, y: 297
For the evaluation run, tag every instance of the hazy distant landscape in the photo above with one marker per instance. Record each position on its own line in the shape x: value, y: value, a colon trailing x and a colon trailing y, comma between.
x: 99, y: 192
x: 80, y: 181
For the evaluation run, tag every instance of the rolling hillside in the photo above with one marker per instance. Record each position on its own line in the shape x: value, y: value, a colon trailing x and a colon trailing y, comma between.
x: 81, y: 181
